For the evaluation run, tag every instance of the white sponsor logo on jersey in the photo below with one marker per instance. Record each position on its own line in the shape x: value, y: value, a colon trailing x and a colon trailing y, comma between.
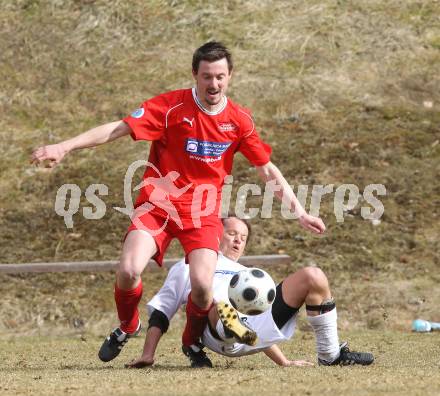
x: 227, y: 127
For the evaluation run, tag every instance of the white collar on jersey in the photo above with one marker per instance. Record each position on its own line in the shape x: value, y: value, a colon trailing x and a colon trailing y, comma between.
x: 205, y: 110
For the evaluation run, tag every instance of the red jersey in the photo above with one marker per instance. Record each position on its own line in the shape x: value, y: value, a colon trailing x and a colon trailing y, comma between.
x: 196, y: 144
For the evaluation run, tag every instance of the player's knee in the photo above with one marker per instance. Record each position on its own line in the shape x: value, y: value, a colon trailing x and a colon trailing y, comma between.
x: 127, y: 273
x: 201, y: 295
x: 315, y: 278
x: 201, y: 285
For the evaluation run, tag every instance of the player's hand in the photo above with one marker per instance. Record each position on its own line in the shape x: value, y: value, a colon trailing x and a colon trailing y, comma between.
x: 297, y: 363
x: 53, y: 154
x: 143, y: 361
x: 312, y: 223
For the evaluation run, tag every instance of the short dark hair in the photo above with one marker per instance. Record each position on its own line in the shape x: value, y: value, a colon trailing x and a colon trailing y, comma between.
x: 211, y: 52
x: 245, y: 221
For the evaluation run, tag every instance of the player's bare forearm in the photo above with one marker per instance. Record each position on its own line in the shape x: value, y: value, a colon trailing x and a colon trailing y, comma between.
x: 152, y: 338
x: 54, y: 153
x: 99, y: 135
x: 283, y: 191
x: 270, y: 172
x: 276, y: 355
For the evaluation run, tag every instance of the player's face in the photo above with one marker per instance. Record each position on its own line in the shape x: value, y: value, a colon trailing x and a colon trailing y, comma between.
x: 234, y: 239
x: 212, y: 81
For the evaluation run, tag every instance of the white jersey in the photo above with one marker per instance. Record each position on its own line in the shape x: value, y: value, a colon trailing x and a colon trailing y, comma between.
x: 174, y: 293
x: 175, y: 290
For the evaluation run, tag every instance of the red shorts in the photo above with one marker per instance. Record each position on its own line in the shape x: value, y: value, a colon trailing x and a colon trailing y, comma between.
x: 208, y: 235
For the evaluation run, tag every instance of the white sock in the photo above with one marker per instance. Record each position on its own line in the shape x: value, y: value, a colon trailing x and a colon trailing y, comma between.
x: 326, y: 333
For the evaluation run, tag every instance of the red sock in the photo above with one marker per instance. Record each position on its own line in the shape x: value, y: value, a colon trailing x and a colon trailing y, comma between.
x: 127, y: 306
x: 196, y: 321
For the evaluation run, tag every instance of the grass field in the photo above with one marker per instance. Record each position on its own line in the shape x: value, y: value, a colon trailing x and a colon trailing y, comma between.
x: 406, y: 364
x: 344, y: 91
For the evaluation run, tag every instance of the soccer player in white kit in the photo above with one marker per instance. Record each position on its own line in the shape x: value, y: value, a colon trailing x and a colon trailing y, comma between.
x: 307, y: 285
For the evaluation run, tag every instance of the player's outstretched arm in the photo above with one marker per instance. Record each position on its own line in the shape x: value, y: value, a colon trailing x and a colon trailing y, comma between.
x: 284, y: 192
x: 162, y: 307
x: 152, y: 338
x: 274, y: 353
x: 54, y: 153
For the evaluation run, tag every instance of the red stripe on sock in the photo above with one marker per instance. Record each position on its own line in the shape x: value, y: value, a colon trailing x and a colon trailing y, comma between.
x: 127, y: 306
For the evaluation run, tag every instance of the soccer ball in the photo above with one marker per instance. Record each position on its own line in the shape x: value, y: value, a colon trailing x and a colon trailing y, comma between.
x: 251, y: 291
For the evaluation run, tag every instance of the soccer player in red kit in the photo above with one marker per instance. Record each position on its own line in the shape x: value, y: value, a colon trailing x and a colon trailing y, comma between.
x: 195, y: 134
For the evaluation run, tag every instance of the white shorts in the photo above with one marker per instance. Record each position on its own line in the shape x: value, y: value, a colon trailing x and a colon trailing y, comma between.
x: 266, y: 329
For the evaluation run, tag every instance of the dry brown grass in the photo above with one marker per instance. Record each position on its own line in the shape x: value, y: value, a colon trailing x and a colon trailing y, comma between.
x: 74, y: 303
x: 406, y: 364
x: 341, y: 89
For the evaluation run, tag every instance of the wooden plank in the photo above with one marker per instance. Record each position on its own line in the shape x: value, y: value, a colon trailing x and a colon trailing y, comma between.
x: 96, y: 266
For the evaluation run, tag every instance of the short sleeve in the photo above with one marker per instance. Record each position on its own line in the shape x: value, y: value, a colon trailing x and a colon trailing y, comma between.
x: 251, y: 146
x: 148, y: 121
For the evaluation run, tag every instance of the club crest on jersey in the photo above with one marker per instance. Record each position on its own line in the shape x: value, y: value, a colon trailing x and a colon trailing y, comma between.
x: 203, y: 148
x: 138, y: 113
x: 227, y: 127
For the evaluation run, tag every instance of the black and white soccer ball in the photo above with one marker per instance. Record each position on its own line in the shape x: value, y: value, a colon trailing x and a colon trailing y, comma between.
x: 251, y: 291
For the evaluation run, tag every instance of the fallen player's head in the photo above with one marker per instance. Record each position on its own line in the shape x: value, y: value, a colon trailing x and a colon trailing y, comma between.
x: 236, y: 233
